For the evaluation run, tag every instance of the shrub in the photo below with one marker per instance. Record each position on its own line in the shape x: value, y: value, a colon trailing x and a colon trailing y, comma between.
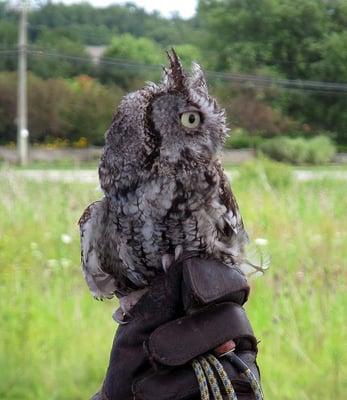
x: 241, y: 139
x: 92, y: 109
x: 60, y: 111
x: 318, y: 150
x: 48, y: 103
x: 321, y: 150
x: 8, y: 106
x: 251, y: 112
x: 268, y: 173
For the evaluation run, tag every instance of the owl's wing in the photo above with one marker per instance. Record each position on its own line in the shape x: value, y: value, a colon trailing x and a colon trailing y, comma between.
x: 92, y: 232
x: 233, y: 224
x: 251, y: 260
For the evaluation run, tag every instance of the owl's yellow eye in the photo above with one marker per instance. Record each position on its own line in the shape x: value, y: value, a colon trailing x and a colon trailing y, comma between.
x: 190, y: 119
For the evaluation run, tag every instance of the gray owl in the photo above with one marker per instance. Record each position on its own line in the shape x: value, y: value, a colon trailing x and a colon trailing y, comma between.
x: 165, y: 192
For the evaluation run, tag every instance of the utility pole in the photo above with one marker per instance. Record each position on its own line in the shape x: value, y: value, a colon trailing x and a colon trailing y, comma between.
x: 22, y: 107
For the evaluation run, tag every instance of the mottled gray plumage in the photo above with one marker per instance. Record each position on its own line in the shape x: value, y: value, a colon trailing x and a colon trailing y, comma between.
x: 165, y: 193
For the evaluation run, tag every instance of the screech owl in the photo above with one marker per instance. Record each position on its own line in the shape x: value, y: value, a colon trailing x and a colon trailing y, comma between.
x: 165, y: 192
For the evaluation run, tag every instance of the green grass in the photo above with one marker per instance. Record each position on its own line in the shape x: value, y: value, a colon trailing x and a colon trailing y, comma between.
x: 55, y: 339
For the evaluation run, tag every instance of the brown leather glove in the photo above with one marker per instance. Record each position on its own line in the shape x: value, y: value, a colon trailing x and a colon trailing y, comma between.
x: 190, y: 311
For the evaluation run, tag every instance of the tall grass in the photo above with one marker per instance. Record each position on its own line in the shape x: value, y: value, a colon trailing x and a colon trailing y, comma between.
x: 55, y: 339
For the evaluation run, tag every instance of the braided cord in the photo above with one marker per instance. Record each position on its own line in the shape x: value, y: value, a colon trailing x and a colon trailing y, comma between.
x: 243, y: 368
x: 254, y: 385
x: 200, y: 376
x: 211, y: 378
x: 223, y: 376
x: 204, y: 373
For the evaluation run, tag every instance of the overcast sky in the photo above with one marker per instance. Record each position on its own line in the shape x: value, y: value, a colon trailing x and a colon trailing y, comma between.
x: 185, y: 8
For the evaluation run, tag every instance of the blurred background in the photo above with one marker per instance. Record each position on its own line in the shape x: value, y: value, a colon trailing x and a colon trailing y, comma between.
x: 279, y: 67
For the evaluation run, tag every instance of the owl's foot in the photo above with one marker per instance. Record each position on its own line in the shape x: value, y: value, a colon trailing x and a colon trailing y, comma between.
x: 168, y: 259
x: 126, y: 303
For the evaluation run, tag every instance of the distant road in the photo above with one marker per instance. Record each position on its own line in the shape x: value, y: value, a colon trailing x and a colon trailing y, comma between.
x: 307, y: 175
x: 91, y: 176
x: 74, y: 175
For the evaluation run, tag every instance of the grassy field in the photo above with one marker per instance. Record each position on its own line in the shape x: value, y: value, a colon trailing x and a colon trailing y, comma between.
x: 55, y: 339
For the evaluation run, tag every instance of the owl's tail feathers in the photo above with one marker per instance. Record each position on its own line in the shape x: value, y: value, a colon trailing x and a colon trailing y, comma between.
x: 256, y: 261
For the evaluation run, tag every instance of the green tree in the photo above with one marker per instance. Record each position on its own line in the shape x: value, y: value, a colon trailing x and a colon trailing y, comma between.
x: 296, y: 39
x: 235, y: 33
x: 96, y: 26
x: 129, y: 47
x: 188, y: 53
x: 55, y: 56
x: 8, y: 43
x: 8, y: 37
x: 133, y: 59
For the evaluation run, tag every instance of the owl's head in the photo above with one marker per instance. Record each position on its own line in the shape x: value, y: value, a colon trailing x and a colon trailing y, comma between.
x: 189, y: 122
x: 175, y: 122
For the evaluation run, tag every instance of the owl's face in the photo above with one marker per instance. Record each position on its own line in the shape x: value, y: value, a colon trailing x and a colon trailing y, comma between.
x: 184, y: 116
x: 186, y: 127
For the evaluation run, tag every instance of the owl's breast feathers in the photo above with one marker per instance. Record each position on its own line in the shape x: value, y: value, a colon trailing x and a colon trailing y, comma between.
x: 124, y: 237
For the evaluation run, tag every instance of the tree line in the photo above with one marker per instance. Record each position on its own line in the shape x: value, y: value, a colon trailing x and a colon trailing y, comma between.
x: 279, y: 39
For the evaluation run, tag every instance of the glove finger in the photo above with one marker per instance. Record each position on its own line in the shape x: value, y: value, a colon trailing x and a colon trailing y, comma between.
x: 163, y: 298
x: 181, y: 383
x: 210, y: 281
x: 179, y: 341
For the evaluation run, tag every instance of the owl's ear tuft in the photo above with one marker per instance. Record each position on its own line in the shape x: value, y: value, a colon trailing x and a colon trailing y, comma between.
x: 197, y: 78
x: 174, y: 76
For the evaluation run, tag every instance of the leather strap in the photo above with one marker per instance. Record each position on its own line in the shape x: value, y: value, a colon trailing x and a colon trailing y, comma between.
x: 202, y: 331
x: 208, y: 281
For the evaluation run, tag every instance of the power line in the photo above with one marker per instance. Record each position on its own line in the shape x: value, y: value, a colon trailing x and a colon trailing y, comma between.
x: 298, y: 83
x: 223, y: 75
x: 95, y: 38
x: 309, y: 86
x: 240, y: 78
x: 9, y: 52
x: 301, y: 84
x: 103, y: 61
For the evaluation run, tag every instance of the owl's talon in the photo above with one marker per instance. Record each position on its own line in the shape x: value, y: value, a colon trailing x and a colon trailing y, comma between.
x: 166, y: 261
x: 126, y: 303
x: 178, y: 252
